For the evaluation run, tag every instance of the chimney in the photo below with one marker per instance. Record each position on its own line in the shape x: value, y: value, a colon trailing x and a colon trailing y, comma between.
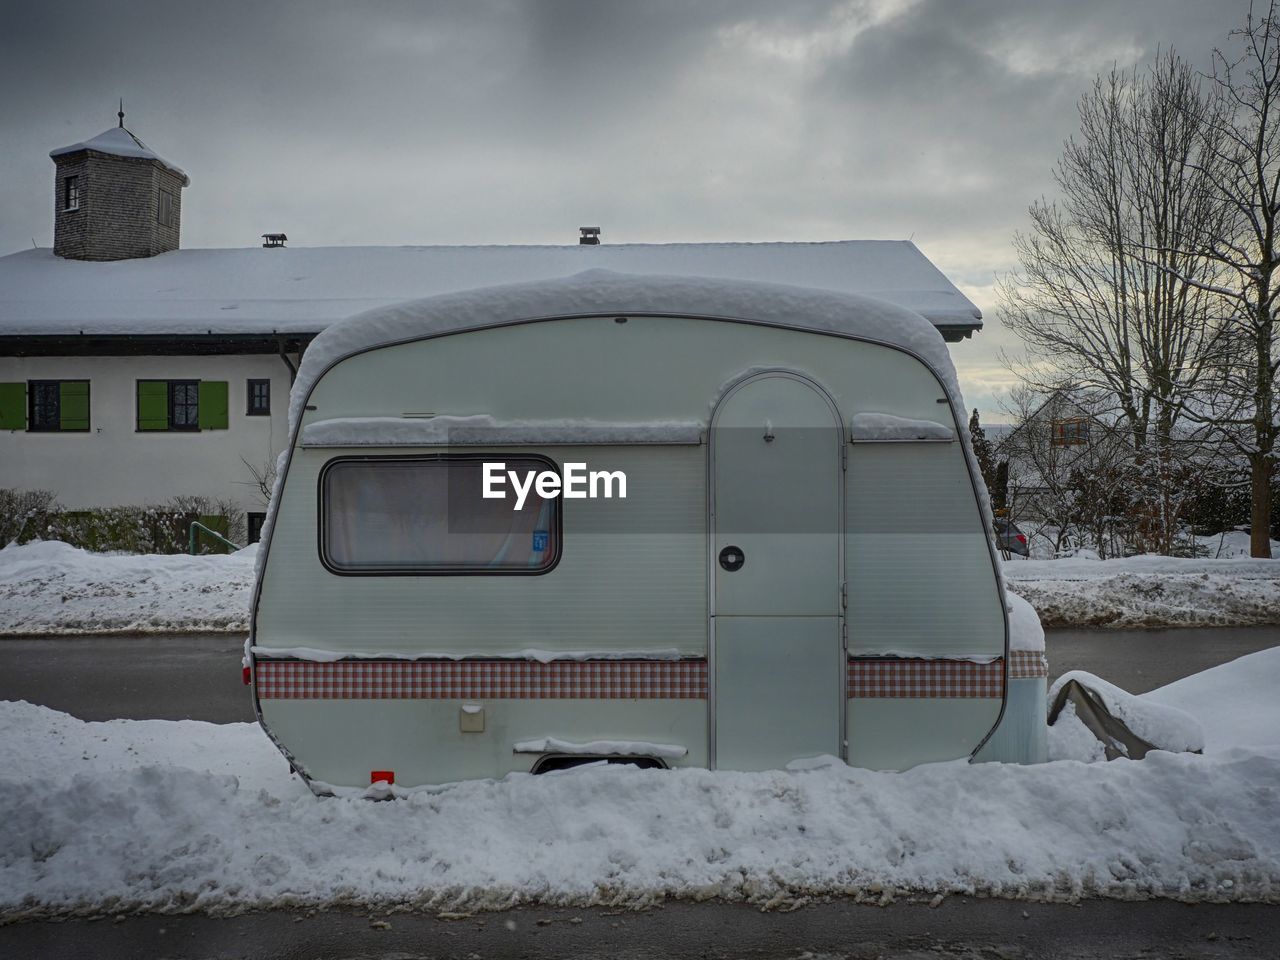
x: 589, y: 236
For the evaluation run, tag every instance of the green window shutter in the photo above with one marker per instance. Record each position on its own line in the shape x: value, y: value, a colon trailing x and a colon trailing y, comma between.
x: 213, y: 404
x: 13, y: 406
x: 73, y: 404
x: 153, y: 405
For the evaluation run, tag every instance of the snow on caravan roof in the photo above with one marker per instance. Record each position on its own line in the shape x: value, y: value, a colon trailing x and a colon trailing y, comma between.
x: 597, y: 292
x: 301, y: 290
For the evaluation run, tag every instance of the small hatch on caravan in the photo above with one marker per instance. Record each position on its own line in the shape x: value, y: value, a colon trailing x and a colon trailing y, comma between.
x: 800, y: 567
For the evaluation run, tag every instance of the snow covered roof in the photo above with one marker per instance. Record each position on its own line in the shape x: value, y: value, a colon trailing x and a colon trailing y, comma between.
x: 119, y: 142
x: 301, y: 290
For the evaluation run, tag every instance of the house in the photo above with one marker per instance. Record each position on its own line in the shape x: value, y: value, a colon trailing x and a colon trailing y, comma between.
x: 1042, y: 448
x: 1064, y: 462
x: 133, y: 371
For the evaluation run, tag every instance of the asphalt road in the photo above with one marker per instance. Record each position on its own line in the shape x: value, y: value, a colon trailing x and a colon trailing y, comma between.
x: 197, y: 677
x: 1141, y: 660
x: 192, y: 677
x: 956, y: 930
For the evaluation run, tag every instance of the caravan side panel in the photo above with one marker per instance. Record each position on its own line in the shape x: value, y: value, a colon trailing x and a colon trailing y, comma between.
x: 922, y: 591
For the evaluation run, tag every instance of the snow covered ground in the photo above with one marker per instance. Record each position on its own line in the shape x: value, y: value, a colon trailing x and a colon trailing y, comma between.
x: 51, y: 589
x: 1148, y: 591
x: 187, y: 816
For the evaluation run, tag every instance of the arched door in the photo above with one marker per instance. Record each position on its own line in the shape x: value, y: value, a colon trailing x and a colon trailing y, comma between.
x: 776, y: 565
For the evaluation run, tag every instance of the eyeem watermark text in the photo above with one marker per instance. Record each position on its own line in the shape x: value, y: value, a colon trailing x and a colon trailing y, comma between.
x: 575, y: 482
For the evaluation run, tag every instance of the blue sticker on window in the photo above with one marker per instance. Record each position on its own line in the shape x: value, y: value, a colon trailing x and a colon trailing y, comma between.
x: 540, y: 540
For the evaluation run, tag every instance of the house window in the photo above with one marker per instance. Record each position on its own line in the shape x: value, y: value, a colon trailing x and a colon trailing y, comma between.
x: 428, y: 515
x: 182, y: 405
x: 165, y: 207
x: 57, y: 405
x: 43, y: 397
x: 1071, y: 432
x: 259, y: 398
x: 71, y: 193
x: 254, y: 522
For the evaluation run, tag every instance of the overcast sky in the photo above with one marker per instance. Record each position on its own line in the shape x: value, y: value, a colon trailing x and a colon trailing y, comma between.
x: 515, y: 121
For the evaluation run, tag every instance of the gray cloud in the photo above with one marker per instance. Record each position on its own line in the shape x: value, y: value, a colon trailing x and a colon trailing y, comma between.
x: 509, y: 121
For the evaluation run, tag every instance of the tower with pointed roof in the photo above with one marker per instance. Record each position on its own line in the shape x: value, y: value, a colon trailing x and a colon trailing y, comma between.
x: 115, y: 198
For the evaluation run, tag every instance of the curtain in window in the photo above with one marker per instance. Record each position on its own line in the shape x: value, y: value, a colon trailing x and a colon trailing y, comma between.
x: 406, y: 515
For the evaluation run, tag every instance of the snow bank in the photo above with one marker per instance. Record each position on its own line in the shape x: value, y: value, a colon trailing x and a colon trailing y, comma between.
x: 188, y: 816
x: 1148, y: 591
x: 181, y: 817
x: 1237, y: 703
x: 53, y: 588
x: 1070, y: 739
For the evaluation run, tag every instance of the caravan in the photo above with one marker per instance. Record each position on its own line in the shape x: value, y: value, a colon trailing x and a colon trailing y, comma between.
x: 800, y: 567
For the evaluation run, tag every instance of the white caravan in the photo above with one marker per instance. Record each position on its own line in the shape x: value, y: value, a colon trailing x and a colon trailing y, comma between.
x: 795, y: 564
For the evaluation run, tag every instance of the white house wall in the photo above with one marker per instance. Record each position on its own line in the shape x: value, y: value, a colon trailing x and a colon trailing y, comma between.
x: 115, y: 464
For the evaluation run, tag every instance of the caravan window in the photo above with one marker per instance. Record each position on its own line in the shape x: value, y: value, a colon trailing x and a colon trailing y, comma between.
x: 428, y: 515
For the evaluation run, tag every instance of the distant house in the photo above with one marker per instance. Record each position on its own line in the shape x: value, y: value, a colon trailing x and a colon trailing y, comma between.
x: 132, y: 371
x: 1064, y: 435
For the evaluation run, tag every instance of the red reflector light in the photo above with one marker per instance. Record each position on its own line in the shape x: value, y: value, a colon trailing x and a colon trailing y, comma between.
x: 389, y: 776
x: 248, y: 676
x: 1022, y: 539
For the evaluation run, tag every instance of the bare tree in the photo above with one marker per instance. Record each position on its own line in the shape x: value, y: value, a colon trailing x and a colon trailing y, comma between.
x: 1113, y: 292
x: 1092, y: 301
x: 262, y: 479
x: 1243, y: 158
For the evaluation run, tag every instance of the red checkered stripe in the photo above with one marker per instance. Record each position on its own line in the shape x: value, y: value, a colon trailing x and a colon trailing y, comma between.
x: 1027, y: 664
x: 902, y: 677
x: 481, y: 679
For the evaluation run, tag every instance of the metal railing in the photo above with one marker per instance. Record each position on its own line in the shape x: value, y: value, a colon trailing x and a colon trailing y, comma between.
x: 194, y: 537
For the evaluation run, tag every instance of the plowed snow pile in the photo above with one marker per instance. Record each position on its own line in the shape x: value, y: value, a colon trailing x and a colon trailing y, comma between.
x: 52, y: 588
x: 1148, y: 591
x: 125, y: 815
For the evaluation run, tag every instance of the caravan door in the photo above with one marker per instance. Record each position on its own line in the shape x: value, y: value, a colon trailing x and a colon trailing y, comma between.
x: 778, y: 661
